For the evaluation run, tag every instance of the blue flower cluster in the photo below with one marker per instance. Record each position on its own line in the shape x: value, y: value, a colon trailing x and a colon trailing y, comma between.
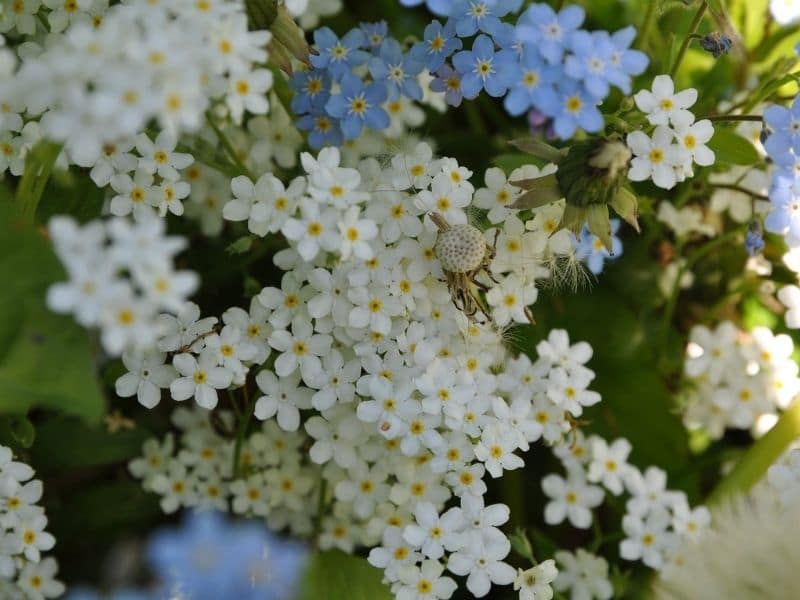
x: 590, y: 250
x: 544, y: 63
x: 783, y: 147
x: 209, y: 557
x: 336, y: 100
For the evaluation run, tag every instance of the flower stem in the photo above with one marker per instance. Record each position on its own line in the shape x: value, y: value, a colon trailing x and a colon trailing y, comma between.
x: 698, y: 17
x: 763, y: 453
x: 241, y: 432
x: 669, y: 310
x: 734, y: 118
x: 647, y: 25
x: 228, y: 146
x: 739, y: 188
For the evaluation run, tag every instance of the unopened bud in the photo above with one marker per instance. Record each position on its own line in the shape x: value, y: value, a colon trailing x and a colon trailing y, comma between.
x: 716, y: 43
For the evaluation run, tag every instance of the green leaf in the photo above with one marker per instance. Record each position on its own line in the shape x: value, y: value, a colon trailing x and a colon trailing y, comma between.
x: 17, y: 430
x: 67, y: 442
x: 335, y: 575
x: 45, y: 358
x: 38, y: 165
x: 732, y: 148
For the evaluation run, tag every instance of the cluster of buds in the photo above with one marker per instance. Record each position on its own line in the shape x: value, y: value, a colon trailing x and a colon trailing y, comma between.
x: 591, y: 176
x: 288, y: 40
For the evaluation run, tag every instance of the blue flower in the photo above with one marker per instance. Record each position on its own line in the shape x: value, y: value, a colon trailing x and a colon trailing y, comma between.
x: 785, y: 125
x: 753, y: 240
x: 481, y: 68
x: 591, y: 251
x: 438, y: 43
x: 325, y: 130
x: 338, y: 56
x: 472, y: 16
x: 374, y: 34
x: 448, y: 80
x: 588, y: 63
x: 625, y: 63
x: 438, y: 7
x: 530, y: 83
x: 540, y: 25
x: 357, y: 105
x: 396, y: 71
x: 210, y: 557
x: 574, y: 108
x: 312, y: 90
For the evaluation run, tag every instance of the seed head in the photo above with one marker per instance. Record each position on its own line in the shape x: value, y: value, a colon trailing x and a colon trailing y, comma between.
x: 461, y: 248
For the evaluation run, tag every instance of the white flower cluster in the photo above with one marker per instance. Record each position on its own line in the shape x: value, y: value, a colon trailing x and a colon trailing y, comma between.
x: 121, y: 274
x: 102, y: 82
x: 784, y: 478
x: 737, y: 379
x: 22, y: 532
x: 677, y: 142
x: 658, y: 522
x: 277, y: 481
x: 414, y: 403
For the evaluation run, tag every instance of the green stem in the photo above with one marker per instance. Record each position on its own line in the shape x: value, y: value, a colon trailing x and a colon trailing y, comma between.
x: 228, y: 146
x: 733, y: 118
x: 647, y: 25
x: 241, y: 432
x: 690, y: 262
x: 281, y: 89
x: 39, y: 165
x: 323, y: 488
x: 698, y: 17
x: 739, y: 188
x: 763, y: 453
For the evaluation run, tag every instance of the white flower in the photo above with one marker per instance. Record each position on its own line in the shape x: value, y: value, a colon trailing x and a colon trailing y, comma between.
x: 38, y: 580
x: 609, y: 464
x: 647, y: 539
x: 334, y: 382
x: 132, y: 194
x: 160, y: 158
x: 186, y: 330
x: 335, y: 439
x: 230, y: 349
x: 282, y: 397
x: 365, y: 488
x: 789, y: 295
x: 433, y: 534
x: 394, y: 554
x: 496, y: 451
x: 584, y: 575
x: 685, y: 220
x: 693, y: 138
x: 374, y: 308
x: 355, y: 234
x: 663, y: 105
x: 266, y: 205
x: 249, y: 496
x: 176, y: 487
x: 447, y: 198
x: 248, y: 91
x: 146, y: 377
x: 656, y: 157
x: 570, y: 498
x: 32, y: 536
x: 785, y: 11
x: 316, y: 230
x: 201, y: 378
x: 497, y: 195
x: 690, y: 523
x: 510, y: 300
x: 483, y: 564
x: 424, y: 582
x: 299, y: 348
x: 534, y: 584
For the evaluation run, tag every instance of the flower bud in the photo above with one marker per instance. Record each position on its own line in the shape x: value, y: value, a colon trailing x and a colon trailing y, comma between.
x: 287, y: 38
